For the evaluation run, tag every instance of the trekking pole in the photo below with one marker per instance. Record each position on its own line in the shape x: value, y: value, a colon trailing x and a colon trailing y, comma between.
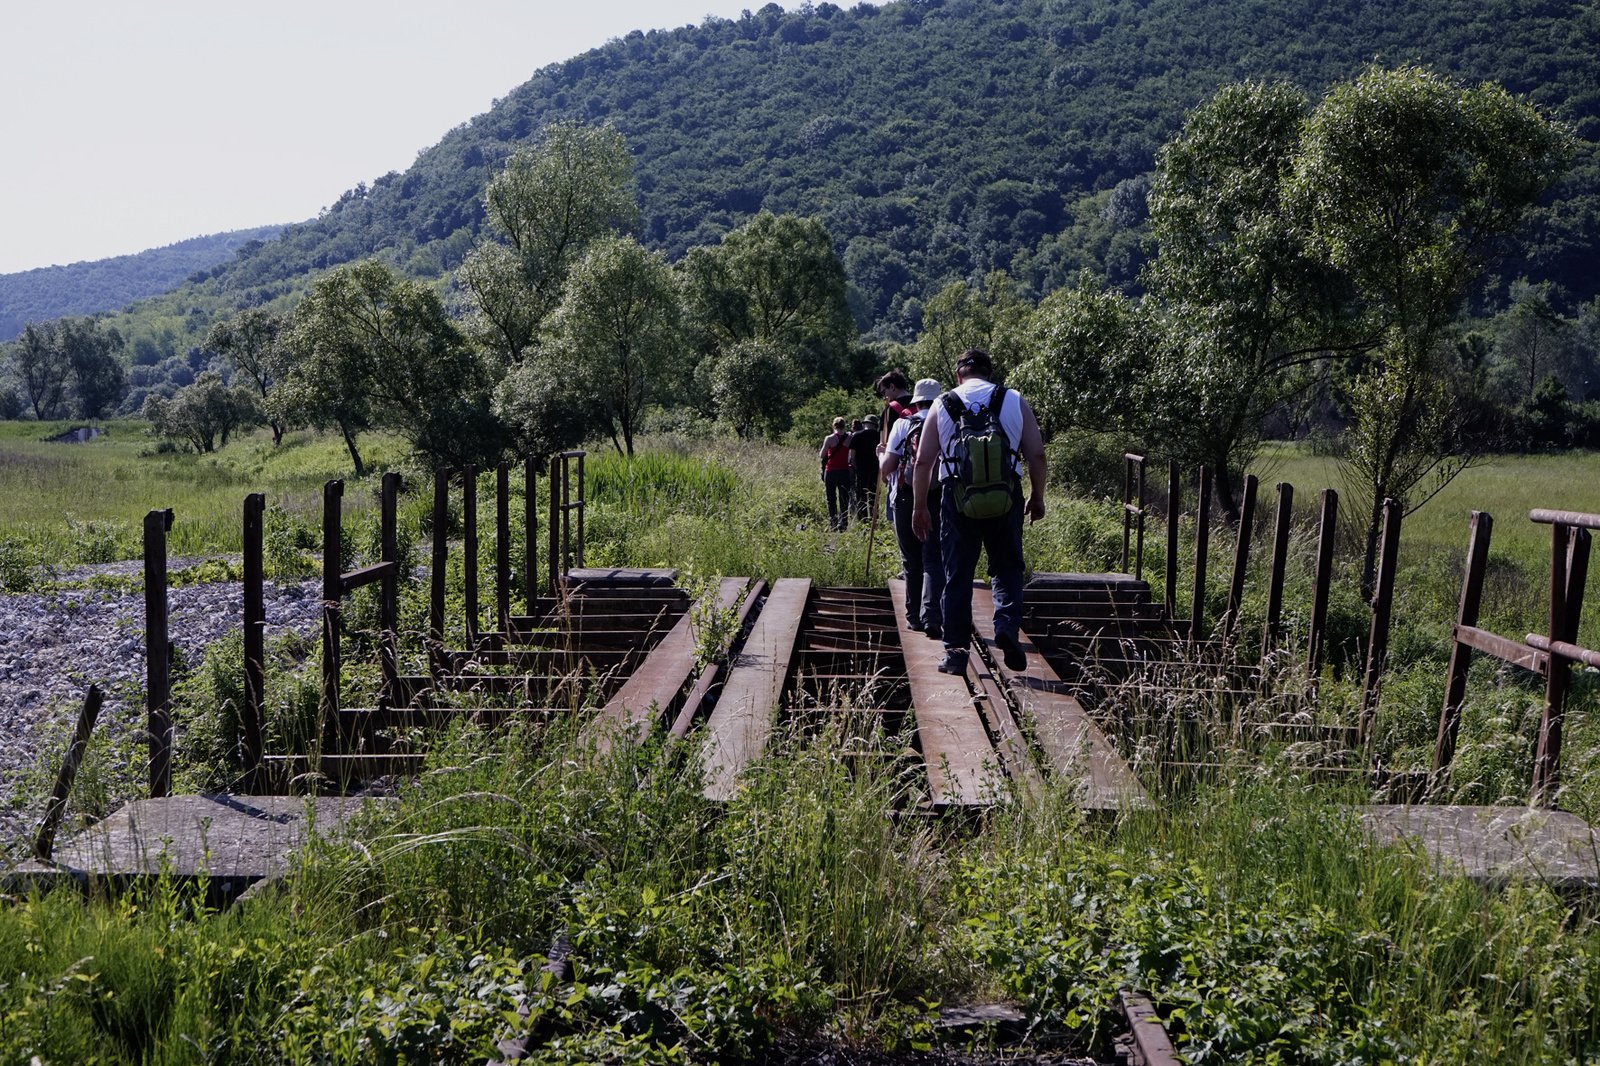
x: 872, y: 532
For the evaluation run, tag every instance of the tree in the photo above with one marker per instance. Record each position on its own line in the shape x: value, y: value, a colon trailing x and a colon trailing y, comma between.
x: 752, y: 385
x: 43, y: 367
x: 249, y: 340
x: 990, y: 317
x: 1532, y: 341
x: 1412, y: 186
x: 98, y: 381
x: 554, y: 197
x: 774, y: 280
x: 369, y: 349
x: 618, y: 332
x: 1091, y: 363
x: 203, y: 412
x: 1247, y: 305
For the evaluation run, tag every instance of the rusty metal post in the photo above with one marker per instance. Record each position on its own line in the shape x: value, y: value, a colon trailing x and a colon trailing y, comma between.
x: 1172, y: 539
x: 1138, y: 548
x: 441, y: 553
x: 1382, y: 607
x: 566, y: 514
x: 253, y: 719
x: 553, y: 562
x: 469, y: 550
x: 1202, y: 544
x: 332, y: 595
x: 1127, y: 501
x: 1326, y: 532
x: 389, y: 605
x: 1241, y: 555
x: 1569, y: 573
x: 582, y: 507
x: 44, y: 843
x: 502, y: 547
x: 158, y: 653
x: 530, y: 532
x: 1280, y: 559
x: 1455, y: 691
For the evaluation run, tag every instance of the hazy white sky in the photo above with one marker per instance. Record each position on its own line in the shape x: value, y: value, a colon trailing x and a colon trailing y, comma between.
x: 129, y: 124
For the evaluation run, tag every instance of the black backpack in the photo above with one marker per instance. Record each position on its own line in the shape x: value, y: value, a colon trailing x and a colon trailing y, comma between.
x: 983, y: 481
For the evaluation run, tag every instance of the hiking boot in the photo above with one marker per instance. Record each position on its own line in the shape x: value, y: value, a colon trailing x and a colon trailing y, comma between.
x: 914, y: 624
x: 955, y: 662
x: 933, y: 632
x: 1015, y: 658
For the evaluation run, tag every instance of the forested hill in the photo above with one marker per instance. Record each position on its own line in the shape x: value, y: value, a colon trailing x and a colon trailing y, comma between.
x: 945, y: 137
x: 108, y: 284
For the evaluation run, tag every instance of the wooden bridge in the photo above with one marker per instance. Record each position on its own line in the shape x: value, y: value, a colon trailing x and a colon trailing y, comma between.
x: 622, y: 647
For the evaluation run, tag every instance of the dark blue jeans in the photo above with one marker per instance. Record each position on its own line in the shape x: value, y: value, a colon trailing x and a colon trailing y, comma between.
x: 910, y: 552
x: 933, y: 564
x: 1001, y: 539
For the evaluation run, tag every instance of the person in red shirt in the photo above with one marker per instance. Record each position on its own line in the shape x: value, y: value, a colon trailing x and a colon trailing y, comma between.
x: 835, y: 457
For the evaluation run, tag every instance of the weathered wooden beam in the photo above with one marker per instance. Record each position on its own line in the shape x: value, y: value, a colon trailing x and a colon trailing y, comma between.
x: 1171, y: 589
x: 1241, y: 556
x: 1569, y: 573
x: 1280, y: 559
x: 158, y: 653
x: 739, y: 726
x: 961, y: 763
x: 1455, y: 691
x: 1382, y: 608
x: 44, y: 843
x: 253, y: 714
x: 1327, y: 531
x: 1502, y: 648
x: 1202, y: 542
x: 332, y: 591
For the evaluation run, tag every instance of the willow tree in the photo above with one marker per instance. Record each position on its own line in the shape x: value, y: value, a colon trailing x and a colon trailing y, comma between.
x: 1412, y: 185
x: 554, y: 198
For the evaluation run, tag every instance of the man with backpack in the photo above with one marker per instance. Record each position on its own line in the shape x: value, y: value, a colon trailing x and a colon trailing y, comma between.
x: 864, y: 467
x: 920, y: 560
x: 979, y: 435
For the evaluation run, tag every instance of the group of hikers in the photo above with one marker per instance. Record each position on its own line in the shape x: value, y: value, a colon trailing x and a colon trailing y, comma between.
x: 953, y: 461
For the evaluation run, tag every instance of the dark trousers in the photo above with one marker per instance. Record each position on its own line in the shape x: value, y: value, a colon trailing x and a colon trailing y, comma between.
x: 933, y: 572
x: 1001, y: 539
x: 910, y: 553
x: 864, y: 492
x: 837, y: 484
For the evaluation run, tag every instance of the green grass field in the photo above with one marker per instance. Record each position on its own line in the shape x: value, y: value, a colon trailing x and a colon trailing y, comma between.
x: 1252, y: 909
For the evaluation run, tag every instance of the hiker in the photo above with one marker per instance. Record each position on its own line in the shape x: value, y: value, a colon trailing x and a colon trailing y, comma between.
x: 864, y: 467
x: 979, y: 434
x: 920, y: 559
x: 835, y: 457
x: 895, y: 393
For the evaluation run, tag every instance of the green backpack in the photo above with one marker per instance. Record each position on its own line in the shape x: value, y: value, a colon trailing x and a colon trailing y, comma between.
x: 983, y: 480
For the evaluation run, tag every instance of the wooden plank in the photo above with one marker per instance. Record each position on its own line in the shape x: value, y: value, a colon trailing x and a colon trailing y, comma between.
x: 743, y: 718
x: 1076, y: 747
x: 962, y: 765
x: 1503, y: 648
x: 652, y: 692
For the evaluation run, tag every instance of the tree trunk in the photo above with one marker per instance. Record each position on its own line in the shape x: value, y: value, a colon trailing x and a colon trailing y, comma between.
x: 1227, y: 499
x: 350, y: 443
x: 277, y: 434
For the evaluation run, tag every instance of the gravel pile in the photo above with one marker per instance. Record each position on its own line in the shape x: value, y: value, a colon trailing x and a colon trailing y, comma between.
x: 54, y: 645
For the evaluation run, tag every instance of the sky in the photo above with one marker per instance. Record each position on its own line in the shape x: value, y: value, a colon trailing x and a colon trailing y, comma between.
x: 131, y: 125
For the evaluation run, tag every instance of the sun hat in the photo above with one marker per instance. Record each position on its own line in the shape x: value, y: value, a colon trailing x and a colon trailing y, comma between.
x: 871, y: 420
x: 926, y: 391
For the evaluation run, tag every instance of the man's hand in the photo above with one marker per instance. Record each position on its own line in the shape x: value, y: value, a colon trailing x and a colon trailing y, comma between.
x: 1035, y: 507
x: 921, y: 523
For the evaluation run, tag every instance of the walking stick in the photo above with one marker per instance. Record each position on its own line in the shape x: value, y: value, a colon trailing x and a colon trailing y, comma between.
x: 872, y: 532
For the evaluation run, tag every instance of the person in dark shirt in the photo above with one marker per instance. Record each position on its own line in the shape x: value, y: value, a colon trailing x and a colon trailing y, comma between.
x: 864, y: 467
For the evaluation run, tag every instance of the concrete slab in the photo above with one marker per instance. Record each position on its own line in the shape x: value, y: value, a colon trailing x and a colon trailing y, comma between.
x: 1495, y: 844
x: 233, y: 841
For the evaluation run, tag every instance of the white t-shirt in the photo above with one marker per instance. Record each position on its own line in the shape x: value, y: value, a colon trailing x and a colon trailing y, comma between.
x: 974, y: 393
x: 897, y: 441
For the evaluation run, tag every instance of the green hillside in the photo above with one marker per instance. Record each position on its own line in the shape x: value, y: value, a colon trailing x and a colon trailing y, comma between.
x: 936, y: 139
x: 108, y: 284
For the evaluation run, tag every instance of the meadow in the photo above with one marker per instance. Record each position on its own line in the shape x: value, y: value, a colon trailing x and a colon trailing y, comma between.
x: 1252, y: 908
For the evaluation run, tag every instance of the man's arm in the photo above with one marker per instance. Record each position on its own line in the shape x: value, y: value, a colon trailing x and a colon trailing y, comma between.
x: 922, y: 477
x: 1033, y: 454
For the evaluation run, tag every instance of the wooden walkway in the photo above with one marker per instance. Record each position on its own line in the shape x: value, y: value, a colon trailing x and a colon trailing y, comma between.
x: 962, y: 765
x: 650, y: 695
x: 737, y: 731
x: 1077, y: 748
